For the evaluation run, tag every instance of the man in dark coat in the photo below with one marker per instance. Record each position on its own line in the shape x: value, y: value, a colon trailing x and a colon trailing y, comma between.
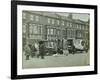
x: 41, y: 50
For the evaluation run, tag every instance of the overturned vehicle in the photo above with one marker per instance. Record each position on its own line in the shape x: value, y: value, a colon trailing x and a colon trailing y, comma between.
x: 77, y: 45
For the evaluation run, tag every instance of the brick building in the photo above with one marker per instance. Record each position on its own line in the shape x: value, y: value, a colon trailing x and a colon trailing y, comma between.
x: 52, y: 28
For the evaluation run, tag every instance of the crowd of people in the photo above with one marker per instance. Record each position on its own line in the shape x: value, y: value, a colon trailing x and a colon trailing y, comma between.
x: 36, y: 50
x: 39, y: 50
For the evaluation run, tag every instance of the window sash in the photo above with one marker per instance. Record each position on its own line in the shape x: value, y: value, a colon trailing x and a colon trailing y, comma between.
x: 31, y: 17
x: 37, y: 18
x: 35, y: 29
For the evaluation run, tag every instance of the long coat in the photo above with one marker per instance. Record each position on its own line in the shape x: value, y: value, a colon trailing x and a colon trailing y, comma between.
x: 27, y: 50
x: 42, y: 49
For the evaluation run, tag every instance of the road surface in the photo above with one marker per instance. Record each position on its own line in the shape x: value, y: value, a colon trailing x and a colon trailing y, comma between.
x: 79, y: 59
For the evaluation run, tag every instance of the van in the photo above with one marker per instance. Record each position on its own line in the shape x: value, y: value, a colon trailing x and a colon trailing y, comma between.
x: 77, y: 45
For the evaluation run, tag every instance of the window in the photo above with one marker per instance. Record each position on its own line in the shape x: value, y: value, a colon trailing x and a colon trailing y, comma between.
x: 49, y: 20
x: 37, y: 18
x: 35, y: 29
x: 24, y: 15
x: 48, y: 32
x: 40, y: 29
x: 58, y: 32
x: 86, y: 27
x: 31, y: 17
x: 64, y: 33
x: 30, y: 29
x: 63, y: 23
x: 82, y: 27
x: 54, y: 31
x: 51, y: 31
x: 67, y: 23
x: 70, y: 24
x: 58, y: 22
x: 70, y: 33
x: 77, y: 26
x: 51, y: 44
x: 52, y: 21
x: 24, y: 28
x: 79, y: 34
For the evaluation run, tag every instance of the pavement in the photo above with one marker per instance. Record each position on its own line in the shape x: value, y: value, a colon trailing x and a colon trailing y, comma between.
x: 78, y: 59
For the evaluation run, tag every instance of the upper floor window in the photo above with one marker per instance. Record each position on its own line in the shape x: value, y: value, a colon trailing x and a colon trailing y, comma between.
x: 64, y: 32
x: 86, y: 27
x: 79, y: 34
x: 40, y: 29
x: 58, y: 32
x: 54, y: 31
x: 37, y: 18
x: 24, y: 28
x: 49, y: 20
x: 50, y: 31
x: 31, y: 17
x: 58, y: 22
x: 77, y: 26
x: 70, y: 24
x: 82, y: 27
x: 63, y: 23
x: 30, y: 29
x: 67, y: 23
x: 24, y: 15
x: 52, y: 21
x: 35, y: 29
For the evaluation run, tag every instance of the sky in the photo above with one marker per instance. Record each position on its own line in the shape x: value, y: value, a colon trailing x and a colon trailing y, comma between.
x: 81, y: 16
